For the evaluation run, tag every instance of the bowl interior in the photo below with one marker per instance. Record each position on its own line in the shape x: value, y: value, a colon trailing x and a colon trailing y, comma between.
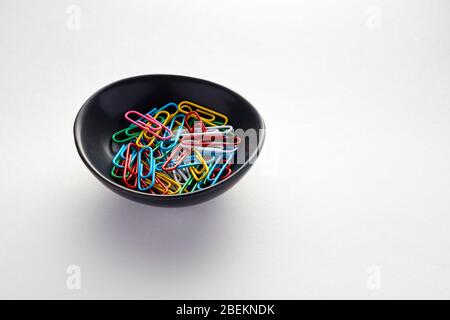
x: 103, y: 113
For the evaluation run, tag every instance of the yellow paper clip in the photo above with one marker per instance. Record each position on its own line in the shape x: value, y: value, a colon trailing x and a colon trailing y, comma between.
x: 169, y: 185
x: 207, y: 115
x: 144, y: 135
x: 204, y: 171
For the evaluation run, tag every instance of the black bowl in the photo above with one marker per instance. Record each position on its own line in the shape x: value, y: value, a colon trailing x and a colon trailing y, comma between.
x: 103, y: 114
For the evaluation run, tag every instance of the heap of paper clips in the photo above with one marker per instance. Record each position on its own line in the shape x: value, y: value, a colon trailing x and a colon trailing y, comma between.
x: 175, y: 149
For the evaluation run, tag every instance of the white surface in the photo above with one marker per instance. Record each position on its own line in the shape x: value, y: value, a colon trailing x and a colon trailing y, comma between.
x: 355, y: 171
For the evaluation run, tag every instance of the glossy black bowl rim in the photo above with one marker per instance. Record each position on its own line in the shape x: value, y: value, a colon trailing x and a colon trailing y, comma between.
x: 78, y: 141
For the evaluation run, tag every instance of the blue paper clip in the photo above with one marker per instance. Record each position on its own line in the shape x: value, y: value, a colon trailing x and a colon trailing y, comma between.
x: 176, y: 137
x: 151, y: 168
x: 167, y: 106
x: 222, y: 168
x: 120, y: 156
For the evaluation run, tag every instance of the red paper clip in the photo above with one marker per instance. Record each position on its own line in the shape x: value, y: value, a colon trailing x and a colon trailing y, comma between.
x: 128, y: 169
x: 195, y: 115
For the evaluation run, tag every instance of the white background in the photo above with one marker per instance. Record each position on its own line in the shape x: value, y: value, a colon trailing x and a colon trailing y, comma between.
x: 354, y: 176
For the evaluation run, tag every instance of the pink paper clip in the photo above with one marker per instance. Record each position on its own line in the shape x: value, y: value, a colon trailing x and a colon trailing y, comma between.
x: 152, y: 126
x: 179, y: 153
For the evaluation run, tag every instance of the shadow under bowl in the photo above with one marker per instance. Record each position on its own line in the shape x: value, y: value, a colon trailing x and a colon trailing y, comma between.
x: 103, y: 114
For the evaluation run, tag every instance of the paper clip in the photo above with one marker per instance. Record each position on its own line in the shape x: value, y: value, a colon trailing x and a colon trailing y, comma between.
x: 188, y: 161
x: 166, y: 184
x: 214, y: 175
x: 152, y: 127
x: 181, y: 152
x: 180, y: 175
x: 198, y: 126
x: 204, y: 171
x: 174, y: 149
x: 175, y: 137
x: 129, y: 133
x: 116, y: 172
x: 149, y: 165
x: 163, y: 117
x: 207, y: 115
x: 166, y: 108
x: 129, y: 171
x: 188, y: 183
x: 119, y: 157
x: 125, y: 135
